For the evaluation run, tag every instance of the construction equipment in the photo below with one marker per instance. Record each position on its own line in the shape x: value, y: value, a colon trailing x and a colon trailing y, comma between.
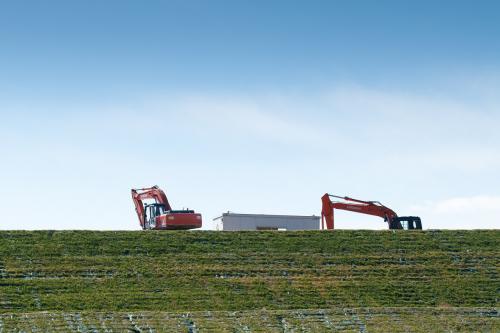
x: 365, y: 207
x: 160, y: 215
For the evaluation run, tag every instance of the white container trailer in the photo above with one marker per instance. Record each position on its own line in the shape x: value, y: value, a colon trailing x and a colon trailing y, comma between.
x: 236, y: 222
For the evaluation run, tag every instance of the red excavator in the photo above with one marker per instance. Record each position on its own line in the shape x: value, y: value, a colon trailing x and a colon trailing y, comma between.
x: 365, y: 207
x: 160, y: 215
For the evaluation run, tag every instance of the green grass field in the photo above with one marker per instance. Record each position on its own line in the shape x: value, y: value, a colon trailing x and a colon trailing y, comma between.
x: 359, y: 281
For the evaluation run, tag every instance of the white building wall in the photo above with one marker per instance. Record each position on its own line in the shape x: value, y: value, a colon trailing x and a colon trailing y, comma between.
x: 236, y: 222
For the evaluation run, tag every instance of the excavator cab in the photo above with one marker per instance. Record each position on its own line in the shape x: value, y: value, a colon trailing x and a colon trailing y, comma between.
x: 406, y: 223
x: 151, y: 211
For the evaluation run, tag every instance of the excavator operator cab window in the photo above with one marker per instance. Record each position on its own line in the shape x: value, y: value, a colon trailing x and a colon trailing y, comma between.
x: 152, y: 211
x: 405, y: 225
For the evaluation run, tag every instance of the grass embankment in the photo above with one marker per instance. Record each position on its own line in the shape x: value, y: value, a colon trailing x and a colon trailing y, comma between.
x: 97, y: 274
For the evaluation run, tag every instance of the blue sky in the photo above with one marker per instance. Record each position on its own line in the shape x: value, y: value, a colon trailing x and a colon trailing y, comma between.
x: 249, y: 106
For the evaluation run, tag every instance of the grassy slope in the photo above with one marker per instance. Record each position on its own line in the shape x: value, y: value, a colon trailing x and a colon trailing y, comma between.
x: 88, y: 273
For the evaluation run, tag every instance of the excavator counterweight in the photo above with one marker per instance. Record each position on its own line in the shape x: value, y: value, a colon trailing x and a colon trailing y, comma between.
x: 159, y: 215
x: 365, y: 207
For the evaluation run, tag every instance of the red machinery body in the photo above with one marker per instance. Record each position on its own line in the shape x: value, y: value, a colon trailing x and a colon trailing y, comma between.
x: 159, y: 215
x: 365, y: 207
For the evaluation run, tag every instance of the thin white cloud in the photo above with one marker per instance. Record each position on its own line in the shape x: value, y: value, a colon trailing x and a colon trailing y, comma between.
x: 266, y: 118
x: 464, y: 159
x: 468, y: 204
x: 433, y: 132
x: 474, y: 212
x: 261, y: 118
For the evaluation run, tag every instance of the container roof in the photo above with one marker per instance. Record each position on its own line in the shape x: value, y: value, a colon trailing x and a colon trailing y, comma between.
x: 312, y: 217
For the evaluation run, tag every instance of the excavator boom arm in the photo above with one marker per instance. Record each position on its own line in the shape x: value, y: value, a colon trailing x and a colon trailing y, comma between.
x: 359, y: 206
x: 141, y: 194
